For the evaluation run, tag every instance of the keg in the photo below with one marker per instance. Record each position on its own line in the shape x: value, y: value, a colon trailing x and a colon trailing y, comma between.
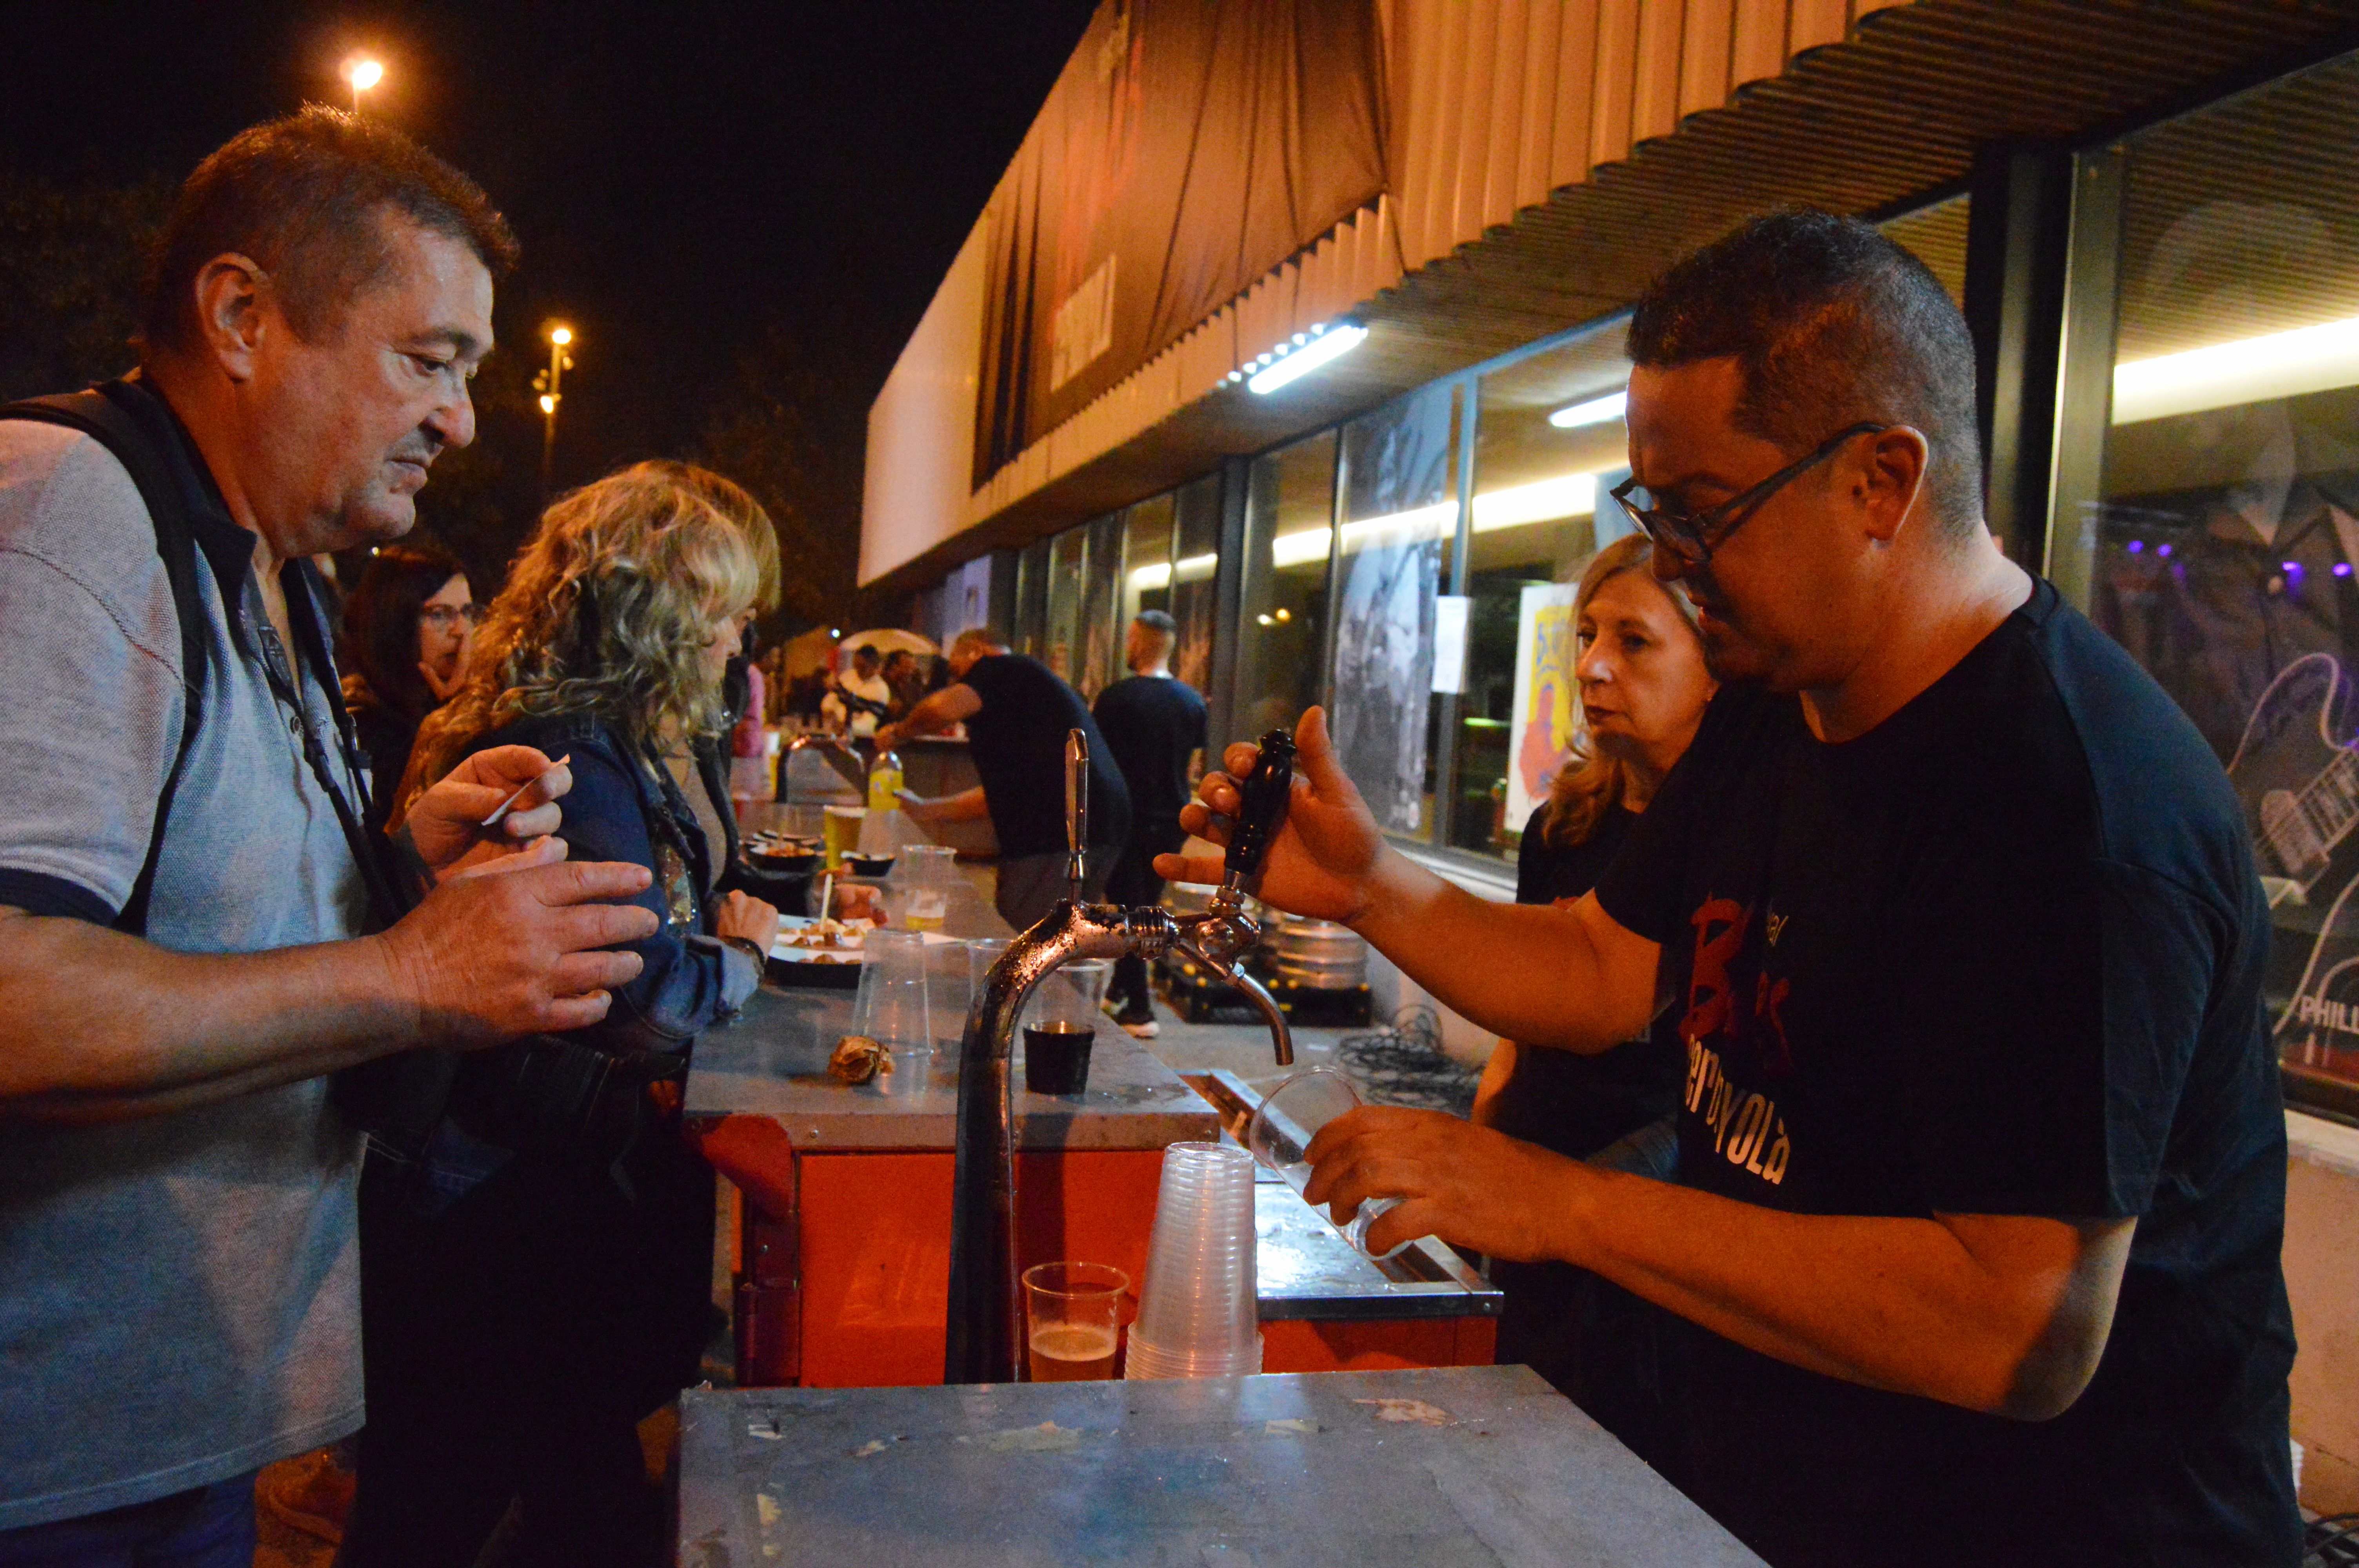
x: 1316, y: 955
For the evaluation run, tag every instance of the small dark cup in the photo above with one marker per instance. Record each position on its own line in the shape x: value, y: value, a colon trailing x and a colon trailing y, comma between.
x: 1057, y: 1058
x: 785, y: 862
x: 868, y: 865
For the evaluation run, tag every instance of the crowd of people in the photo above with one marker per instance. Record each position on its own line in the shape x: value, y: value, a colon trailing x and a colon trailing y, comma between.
x: 1885, y: 1146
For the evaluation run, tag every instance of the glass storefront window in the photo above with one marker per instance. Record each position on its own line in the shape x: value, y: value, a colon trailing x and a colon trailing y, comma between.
x: 1146, y: 582
x: 2220, y: 545
x: 1549, y: 442
x: 1030, y: 632
x: 1400, y: 523
x: 1066, y: 562
x: 1195, y: 570
x: 1282, y: 608
x: 1099, y: 650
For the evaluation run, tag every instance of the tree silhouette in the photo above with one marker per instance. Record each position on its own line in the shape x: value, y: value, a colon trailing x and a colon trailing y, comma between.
x: 71, y: 264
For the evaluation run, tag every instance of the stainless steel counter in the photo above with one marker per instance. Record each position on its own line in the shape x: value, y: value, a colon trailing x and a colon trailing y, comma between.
x: 1460, y: 1466
x: 772, y: 1060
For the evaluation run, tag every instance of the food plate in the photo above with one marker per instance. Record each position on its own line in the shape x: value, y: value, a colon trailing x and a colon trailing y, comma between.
x: 800, y: 958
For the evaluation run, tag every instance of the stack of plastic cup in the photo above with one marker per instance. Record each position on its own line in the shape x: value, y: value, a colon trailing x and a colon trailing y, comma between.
x: 1196, y: 1313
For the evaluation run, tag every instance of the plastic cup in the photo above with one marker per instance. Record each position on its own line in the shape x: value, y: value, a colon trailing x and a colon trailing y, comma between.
x: 1197, y: 1315
x: 842, y: 832
x: 925, y: 878
x: 1073, y: 1319
x: 1070, y: 997
x: 1289, y: 1117
x: 891, y: 1008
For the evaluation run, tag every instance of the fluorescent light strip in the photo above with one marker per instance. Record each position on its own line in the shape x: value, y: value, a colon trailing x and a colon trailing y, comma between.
x: 1323, y: 347
x: 1568, y: 495
x: 1596, y: 411
x: 1192, y: 569
x: 2250, y: 369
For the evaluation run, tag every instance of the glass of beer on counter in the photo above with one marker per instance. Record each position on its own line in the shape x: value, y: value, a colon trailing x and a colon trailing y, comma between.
x: 1073, y: 1319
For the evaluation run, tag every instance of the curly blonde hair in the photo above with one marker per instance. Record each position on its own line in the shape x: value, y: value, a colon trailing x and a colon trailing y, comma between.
x: 608, y: 612
x: 1591, y: 784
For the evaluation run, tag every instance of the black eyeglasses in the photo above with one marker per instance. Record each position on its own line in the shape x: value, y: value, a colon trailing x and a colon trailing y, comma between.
x: 442, y: 617
x: 1694, y: 536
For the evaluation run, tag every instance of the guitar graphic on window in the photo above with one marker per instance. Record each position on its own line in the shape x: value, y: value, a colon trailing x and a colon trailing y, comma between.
x: 2297, y: 772
x: 2298, y: 782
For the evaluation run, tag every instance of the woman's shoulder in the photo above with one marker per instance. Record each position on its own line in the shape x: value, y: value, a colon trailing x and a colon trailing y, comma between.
x: 556, y: 734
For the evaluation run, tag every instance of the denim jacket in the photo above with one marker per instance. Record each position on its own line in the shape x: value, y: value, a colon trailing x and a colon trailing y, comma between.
x: 624, y: 807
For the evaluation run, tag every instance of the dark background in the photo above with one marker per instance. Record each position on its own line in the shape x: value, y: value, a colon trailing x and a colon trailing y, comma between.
x: 742, y: 209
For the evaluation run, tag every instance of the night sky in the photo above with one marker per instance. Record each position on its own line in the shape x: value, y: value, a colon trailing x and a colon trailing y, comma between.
x: 688, y: 181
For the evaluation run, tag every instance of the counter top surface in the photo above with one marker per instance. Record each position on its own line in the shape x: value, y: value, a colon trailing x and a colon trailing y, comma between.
x: 1469, y: 1465
x: 771, y: 1060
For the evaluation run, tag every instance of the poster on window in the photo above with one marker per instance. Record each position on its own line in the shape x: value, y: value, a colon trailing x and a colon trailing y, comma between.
x: 1397, y: 518
x: 1547, y: 709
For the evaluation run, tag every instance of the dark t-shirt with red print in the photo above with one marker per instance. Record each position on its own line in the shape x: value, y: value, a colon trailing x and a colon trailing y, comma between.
x: 2001, y: 955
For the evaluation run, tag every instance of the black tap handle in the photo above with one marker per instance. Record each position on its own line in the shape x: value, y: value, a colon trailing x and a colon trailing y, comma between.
x: 1261, y: 809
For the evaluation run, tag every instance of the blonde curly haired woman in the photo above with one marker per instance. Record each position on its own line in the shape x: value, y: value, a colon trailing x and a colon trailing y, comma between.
x: 542, y: 1281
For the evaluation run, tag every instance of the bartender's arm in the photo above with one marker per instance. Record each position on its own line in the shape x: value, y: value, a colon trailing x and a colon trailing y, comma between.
x: 2001, y: 1314
x: 951, y: 705
x: 96, y: 1025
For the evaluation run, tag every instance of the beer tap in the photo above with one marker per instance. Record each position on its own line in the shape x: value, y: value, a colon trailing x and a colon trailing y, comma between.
x: 985, y: 1343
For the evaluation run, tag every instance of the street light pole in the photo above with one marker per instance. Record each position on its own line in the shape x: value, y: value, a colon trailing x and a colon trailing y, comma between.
x: 549, y: 383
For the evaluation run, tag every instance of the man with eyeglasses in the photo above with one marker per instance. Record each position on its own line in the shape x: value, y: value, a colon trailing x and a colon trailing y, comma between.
x: 1982, y: 1163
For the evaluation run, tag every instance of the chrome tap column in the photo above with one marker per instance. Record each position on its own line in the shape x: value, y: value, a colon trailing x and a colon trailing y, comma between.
x: 986, y: 1321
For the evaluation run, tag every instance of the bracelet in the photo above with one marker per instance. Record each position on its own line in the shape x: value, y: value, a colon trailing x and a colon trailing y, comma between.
x: 745, y: 945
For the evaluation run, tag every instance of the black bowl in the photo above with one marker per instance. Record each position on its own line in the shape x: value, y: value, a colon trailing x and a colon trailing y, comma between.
x: 798, y: 862
x: 868, y: 865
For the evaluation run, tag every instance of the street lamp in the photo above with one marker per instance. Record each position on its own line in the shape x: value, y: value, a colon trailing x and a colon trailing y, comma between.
x: 362, y: 73
x: 549, y: 383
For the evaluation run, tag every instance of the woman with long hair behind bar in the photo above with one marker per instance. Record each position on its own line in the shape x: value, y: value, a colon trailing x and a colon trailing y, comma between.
x: 1644, y: 688
x: 407, y: 629
x: 539, y: 1282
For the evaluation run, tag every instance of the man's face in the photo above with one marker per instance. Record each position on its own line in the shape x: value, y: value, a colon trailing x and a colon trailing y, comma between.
x: 1785, y: 599
x: 964, y: 658
x: 351, y: 423
x: 865, y: 664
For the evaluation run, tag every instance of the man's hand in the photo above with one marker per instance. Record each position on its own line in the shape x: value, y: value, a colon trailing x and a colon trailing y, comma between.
x: 1466, y: 1184
x: 485, y: 960
x: 1324, y: 860
x: 743, y: 916
x: 446, y: 824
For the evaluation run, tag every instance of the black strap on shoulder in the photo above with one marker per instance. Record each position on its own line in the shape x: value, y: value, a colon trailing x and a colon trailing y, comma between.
x: 131, y: 426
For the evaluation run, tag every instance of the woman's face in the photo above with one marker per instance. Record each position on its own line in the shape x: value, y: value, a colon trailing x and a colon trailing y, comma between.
x: 1643, y: 681
x: 727, y: 635
x: 445, y: 628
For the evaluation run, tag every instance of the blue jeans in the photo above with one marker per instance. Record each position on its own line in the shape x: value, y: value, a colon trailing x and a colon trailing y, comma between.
x: 209, y: 1527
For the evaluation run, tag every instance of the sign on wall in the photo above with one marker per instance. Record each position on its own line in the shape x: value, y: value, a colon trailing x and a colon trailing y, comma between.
x: 1546, y: 712
x: 1188, y: 147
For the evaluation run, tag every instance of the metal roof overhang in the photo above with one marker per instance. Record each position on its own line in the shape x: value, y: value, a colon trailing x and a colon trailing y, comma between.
x: 1894, y: 113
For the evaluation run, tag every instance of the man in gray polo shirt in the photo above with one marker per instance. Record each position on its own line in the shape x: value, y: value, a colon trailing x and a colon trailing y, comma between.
x: 178, y: 1254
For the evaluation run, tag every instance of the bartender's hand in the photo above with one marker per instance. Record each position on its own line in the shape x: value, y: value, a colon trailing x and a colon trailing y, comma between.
x: 743, y: 916
x: 1324, y: 860
x: 446, y: 827
x: 1466, y: 1184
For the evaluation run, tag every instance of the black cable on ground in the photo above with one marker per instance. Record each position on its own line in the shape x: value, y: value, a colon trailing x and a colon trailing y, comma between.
x: 1403, y: 1064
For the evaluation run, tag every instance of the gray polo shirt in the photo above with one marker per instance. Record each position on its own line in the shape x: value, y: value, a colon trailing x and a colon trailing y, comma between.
x: 178, y: 1295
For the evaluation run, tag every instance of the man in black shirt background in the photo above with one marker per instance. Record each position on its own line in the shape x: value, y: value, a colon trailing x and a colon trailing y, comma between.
x: 1982, y: 1155
x: 1154, y: 723
x: 1018, y: 714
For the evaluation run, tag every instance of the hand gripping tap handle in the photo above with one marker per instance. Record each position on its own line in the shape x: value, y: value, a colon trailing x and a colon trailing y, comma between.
x: 1263, y: 796
x: 1077, y: 811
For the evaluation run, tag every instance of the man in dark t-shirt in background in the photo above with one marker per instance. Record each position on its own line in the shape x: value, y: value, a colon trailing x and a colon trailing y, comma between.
x: 1155, y: 726
x: 1982, y: 1168
x: 1018, y: 714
